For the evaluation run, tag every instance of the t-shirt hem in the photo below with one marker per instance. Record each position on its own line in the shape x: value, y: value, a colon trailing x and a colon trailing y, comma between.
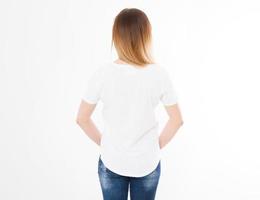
x: 123, y: 173
x: 170, y: 104
x: 88, y: 100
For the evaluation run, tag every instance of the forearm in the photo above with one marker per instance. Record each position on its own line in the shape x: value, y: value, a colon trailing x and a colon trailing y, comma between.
x: 90, y: 130
x: 168, y: 132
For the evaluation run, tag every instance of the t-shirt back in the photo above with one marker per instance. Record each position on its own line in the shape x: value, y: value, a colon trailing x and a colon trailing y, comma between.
x: 130, y: 143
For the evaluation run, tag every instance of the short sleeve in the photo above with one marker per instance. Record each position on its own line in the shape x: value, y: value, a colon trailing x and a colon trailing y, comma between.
x: 92, y: 91
x: 168, y: 92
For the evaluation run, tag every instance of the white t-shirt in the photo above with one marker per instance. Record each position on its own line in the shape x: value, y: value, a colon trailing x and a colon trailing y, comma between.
x: 130, y: 140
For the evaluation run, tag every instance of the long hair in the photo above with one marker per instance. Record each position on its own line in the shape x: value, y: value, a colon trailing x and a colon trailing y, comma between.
x: 132, y: 37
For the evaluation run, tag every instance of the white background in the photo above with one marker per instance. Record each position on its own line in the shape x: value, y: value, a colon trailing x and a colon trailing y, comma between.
x: 49, y: 49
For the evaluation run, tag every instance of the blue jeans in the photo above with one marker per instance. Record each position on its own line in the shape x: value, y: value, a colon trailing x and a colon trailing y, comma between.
x: 115, y: 186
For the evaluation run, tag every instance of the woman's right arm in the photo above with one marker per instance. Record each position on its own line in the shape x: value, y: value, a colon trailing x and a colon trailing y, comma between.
x: 174, y: 122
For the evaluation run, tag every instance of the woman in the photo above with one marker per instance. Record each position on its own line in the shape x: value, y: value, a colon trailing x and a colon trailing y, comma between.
x: 130, y: 89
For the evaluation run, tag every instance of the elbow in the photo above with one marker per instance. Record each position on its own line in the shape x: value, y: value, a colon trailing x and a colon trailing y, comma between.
x: 80, y: 120
x: 176, y: 121
x: 181, y: 123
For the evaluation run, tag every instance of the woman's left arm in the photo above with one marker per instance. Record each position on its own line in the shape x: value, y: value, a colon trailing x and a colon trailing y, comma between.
x: 86, y: 123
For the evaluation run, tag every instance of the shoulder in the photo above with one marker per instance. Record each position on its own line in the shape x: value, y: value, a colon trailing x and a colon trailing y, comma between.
x: 102, y: 69
x: 160, y: 69
x: 164, y: 75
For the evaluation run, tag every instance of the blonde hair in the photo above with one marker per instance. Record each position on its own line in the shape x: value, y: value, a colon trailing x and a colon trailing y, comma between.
x: 132, y: 37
